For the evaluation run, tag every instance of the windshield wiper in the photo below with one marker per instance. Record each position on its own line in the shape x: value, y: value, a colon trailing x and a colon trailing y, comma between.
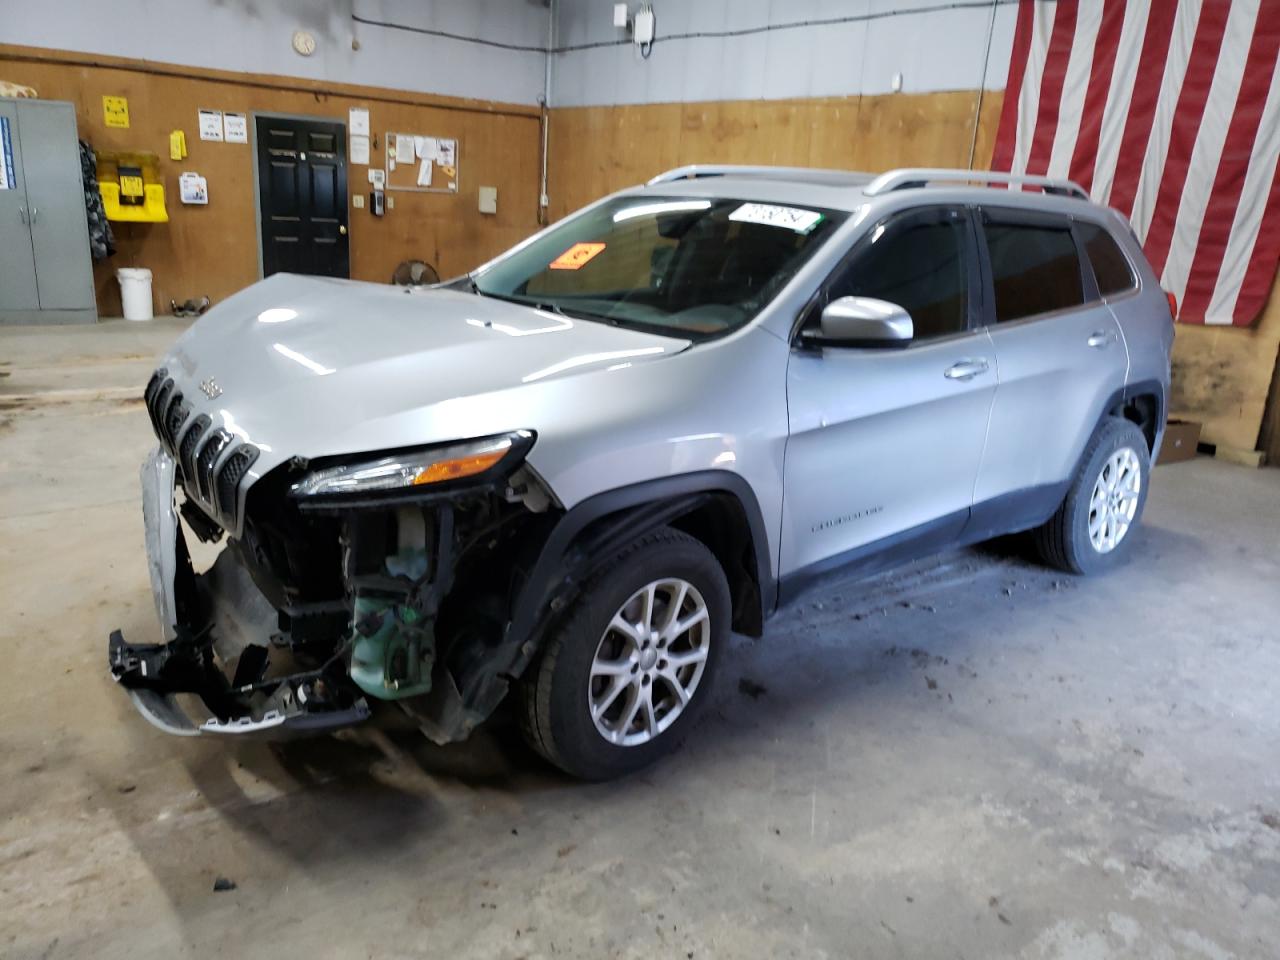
x: 550, y: 306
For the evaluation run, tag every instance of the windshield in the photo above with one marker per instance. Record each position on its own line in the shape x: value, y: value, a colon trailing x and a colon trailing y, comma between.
x: 677, y: 265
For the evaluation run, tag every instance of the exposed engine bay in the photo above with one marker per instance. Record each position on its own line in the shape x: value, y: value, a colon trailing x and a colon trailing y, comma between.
x: 322, y: 604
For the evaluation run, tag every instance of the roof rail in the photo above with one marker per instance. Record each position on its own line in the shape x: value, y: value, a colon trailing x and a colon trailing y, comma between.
x: 695, y: 171
x: 918, y: 176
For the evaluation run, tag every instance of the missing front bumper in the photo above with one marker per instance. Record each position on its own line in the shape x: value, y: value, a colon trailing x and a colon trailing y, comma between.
x: 218, y: 618
x: 155, y: 674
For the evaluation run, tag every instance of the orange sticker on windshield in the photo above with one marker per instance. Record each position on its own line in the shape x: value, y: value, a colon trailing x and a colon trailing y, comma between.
x: 577, y: 256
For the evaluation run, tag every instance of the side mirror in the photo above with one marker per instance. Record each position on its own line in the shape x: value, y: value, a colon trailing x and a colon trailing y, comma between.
x: 862, y: 322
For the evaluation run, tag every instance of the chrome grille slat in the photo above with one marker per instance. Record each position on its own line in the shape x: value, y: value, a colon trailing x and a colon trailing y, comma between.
x: 228, y: 477
x: 187, y: 446
x: 212, y: 464
x: 206, y: 459
x: 159, y: 405
x: 174, y: 416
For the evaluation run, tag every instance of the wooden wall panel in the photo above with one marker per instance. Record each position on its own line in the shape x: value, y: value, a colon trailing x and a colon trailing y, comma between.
x: 595, y: 150
x: 1222, y: 376
x: 213, y: 250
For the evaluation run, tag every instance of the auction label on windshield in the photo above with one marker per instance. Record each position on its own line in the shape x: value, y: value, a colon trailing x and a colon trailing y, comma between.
x: 770, y: 215
x: 577, y: 256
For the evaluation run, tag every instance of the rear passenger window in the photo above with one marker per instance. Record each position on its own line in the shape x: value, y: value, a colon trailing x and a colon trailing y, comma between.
x: 920, y: 268
x: 1035, y: 269
x: 1110, y: 268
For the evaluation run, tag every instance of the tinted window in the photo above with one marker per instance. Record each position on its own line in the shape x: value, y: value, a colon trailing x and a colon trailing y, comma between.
x: 920, y: 268
x: 1110, y: 268
x: 1035, y: 269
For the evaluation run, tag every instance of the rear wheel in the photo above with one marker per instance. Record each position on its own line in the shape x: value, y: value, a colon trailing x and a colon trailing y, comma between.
x: 623, y: 674
x: 1093, y: 529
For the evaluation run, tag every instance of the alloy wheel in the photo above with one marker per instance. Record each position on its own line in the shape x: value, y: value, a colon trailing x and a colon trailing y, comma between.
x: 649, y: 662
x: 1115, y: 499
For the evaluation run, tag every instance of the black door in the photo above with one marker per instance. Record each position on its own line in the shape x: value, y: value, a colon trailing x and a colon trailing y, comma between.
x: 302, y: 182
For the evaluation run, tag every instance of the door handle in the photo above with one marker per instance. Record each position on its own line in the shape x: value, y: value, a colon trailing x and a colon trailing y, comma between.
x: 1101, y: 338
x: 966, y: 369
x: 23, y: 215
x: 35, y: 214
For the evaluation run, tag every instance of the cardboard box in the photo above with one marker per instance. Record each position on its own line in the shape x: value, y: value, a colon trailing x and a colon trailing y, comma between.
x: 1180, y: 439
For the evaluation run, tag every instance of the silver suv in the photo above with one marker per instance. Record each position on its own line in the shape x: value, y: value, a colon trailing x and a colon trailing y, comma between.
x: 573, y: 471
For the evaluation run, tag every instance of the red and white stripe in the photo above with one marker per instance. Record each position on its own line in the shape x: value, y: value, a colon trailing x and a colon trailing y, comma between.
x: 1169, y: 111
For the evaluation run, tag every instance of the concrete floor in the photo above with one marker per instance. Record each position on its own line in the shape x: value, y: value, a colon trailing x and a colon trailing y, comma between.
x: 973, y: 757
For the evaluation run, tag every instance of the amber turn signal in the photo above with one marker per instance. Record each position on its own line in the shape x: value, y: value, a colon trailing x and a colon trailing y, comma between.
x: 458, y: 467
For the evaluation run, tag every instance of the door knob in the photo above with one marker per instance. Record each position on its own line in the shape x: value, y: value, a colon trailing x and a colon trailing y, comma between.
x: 342, y: 229
x: 965, y: 369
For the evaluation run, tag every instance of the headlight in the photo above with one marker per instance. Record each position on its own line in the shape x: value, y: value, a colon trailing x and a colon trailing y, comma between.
x: 416, y: 468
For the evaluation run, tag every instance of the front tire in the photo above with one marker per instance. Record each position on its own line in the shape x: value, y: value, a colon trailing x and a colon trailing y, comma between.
x: 623, y: 674
x: 1093, y: 529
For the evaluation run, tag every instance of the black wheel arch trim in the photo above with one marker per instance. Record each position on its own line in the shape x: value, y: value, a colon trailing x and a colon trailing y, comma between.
x: 566, y: 556
x: 1141, y: 388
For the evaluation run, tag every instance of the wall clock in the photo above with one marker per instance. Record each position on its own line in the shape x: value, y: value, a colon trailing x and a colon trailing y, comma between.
x: 304, y: 43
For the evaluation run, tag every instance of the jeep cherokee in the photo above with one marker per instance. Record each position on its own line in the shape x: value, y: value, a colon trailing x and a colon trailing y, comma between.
x: 570, y: 473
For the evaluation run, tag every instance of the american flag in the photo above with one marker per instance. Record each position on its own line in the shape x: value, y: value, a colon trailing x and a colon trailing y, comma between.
x: 1169, y: 111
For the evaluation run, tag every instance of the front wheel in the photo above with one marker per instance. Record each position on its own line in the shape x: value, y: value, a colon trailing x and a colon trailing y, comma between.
x: 1093, y: 529
x: 622, y: 675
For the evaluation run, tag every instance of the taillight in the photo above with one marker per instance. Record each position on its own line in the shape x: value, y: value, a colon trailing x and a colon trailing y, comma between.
x: 1173, y: 304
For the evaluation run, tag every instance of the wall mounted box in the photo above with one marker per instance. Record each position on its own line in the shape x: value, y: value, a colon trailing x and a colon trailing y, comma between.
x: 46, y: 270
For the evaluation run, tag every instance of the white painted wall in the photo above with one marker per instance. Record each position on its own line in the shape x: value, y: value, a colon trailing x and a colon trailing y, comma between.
x: 255, y: 36
x: 934, y: 49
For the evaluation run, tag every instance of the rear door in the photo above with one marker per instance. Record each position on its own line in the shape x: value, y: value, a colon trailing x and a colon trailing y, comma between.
x: 1061, y: 358
x: 885, y: 443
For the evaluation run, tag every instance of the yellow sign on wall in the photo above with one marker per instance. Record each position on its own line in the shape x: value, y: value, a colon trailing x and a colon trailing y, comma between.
x: 115, y: 111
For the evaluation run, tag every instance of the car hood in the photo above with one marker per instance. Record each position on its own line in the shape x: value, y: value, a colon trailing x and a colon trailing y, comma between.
x: 308, y: 366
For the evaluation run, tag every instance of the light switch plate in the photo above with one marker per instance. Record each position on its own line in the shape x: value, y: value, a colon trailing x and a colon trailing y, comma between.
x: 357, y: 201
x: 391, y: 202
x: 488, y: 199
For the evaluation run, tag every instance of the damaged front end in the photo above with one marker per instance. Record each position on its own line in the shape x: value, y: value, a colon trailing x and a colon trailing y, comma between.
x: 388, y: 579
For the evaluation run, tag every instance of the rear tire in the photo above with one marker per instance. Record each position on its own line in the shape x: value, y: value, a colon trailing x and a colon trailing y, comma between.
x: 1092, y: 530
x: 621, y: 677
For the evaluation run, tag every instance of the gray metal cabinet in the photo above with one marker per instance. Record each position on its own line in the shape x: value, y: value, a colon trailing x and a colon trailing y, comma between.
x: 46, y: 271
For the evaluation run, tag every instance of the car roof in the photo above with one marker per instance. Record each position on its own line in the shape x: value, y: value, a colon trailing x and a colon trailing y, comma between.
x: 851, y: 191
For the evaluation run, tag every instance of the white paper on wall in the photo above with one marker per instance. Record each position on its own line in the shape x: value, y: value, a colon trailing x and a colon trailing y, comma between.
x: 7, y: 181
x: 358, y: 152
x: 447, y: 152
x: 211, y: 125
x: 235, y: 127
x: 424, y: 173
x: 358, y: 121
x: 404, y: 149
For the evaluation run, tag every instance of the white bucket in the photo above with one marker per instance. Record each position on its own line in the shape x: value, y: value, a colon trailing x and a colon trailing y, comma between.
x: 135, y: 292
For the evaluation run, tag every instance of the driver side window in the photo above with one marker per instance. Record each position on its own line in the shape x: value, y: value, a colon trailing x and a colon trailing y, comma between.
x: 919, y: 265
